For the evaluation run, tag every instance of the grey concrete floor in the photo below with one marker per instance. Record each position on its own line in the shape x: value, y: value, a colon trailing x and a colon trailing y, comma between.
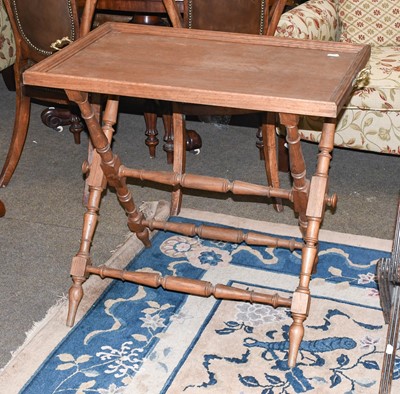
x: 41, y: 230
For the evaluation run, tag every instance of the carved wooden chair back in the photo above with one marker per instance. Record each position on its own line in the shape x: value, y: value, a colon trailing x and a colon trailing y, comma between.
x: 239, y: 16
x: 40, y: 28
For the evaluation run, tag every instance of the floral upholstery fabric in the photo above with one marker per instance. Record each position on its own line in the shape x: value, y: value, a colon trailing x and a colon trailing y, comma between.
x: 313, y: 20
x: 371, y: 119
x: 7, y: 43
x: 373, y: 22
x: 382, y: 92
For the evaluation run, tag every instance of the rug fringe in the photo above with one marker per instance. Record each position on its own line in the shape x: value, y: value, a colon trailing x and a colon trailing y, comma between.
x: 38, y: 326
x: 119, y: 258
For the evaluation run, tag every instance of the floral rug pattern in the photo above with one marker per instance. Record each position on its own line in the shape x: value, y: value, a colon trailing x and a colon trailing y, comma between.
x: 142, y: 340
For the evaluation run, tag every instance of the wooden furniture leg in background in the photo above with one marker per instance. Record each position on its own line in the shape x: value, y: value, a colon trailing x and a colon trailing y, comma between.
x: 283, y: 155
x: 150, y: 119
x: 270, y: 154
x: 388, y: 272
x: 179, y: 152
x: 297, y: 168
x: 54, y: 118
x: 2, y: 209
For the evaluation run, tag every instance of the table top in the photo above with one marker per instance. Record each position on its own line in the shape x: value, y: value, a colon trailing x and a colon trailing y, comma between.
x: 202, y: 67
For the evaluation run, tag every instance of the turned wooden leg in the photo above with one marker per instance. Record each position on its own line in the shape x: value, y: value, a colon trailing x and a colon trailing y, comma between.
x: 21, y: 122
x: 168, y: 137
x: 297, y: 168
x: 109, y: 163
x: 97, y: 108
x: 82, y: 259
x: 75, y: 296
x: 269, y: 149
x: 316, y: 200
x: 179, y: 159
x: 193, y: 139
x: 103, y: 168
x: 76, y: 128
x: 57, y: 117
x: 260, y: 143
x: 301, y: 297
x: 151, y: 132
x: 2, y: 209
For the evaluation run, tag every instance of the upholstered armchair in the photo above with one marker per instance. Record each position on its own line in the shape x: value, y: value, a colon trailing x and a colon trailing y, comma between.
x: 371, y: 118
x: 7, y: 42
x: 38, y: 33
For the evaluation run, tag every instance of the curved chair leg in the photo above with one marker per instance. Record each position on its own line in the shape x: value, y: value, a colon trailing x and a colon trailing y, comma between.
x: 2, y: 209
x: 57, y: 117
x: 269, y: 153
x: 179, y: 162
x: 21, y: 123
x: 283, y: 155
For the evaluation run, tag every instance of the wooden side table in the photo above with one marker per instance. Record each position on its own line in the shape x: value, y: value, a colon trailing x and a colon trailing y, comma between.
x: 289, y: 77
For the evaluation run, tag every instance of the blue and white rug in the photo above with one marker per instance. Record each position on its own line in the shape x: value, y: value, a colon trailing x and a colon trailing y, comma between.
x: 141, y: 340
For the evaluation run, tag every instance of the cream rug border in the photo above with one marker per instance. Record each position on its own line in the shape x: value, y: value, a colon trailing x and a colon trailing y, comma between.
x: 144, y: 382
x: 46, y: 334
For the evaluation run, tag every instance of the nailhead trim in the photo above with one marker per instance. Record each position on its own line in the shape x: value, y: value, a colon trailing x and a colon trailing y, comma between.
x: 40, y: 50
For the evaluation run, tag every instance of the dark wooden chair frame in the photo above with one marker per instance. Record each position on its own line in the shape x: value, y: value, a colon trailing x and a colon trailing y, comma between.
x: 33, y: 44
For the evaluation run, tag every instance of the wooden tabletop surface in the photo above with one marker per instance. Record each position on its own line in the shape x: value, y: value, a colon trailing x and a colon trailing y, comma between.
x: 203, y: 67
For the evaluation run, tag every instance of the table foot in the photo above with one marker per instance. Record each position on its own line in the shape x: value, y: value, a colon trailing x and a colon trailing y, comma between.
x: 135, y: 225
x: 296, y: 334
x: 75, y: 296
x: 79, y: 275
